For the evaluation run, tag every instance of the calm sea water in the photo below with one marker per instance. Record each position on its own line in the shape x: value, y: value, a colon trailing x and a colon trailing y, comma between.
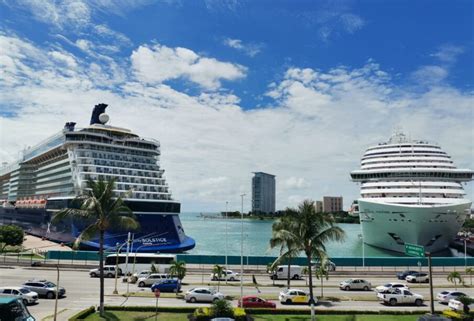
x: 210, y: 236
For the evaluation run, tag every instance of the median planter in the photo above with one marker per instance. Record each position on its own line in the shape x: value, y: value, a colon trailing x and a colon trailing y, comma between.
x: 82, y: 314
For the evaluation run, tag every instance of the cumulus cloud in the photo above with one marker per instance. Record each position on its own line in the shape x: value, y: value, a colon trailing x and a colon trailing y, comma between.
x: 250, y: 49
x: 158, y: 63
x: 429, y: 75
x: 311, y: 135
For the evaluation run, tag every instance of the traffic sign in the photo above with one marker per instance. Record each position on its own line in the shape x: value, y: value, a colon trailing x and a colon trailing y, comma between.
x: 157, y: 293
x: 414, y: 250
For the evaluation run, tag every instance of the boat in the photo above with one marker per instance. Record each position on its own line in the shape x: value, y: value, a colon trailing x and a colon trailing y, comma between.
x: 410, y: 192
x: 354, y: 209
x: 49, y: 176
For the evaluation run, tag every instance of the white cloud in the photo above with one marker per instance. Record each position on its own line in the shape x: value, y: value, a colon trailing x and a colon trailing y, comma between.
x: 250, y: 49
x: 72, y: 14
x: 430, y: 75
x: 352, y: 22
x: 311, y: 137
x: 158, y: 63
x: 448, y: 53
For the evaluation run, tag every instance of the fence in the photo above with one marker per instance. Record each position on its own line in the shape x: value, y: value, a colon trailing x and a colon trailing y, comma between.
x: 89, y: 256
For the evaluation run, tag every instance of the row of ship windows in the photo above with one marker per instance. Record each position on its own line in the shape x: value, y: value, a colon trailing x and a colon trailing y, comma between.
x: 106, y: 140
x: 114, y: 150
x: 143, y: 196
x: 124, y: 164
x: 411, y: 187
x: 413, y: 174
x: 390, y: 154
x: 142, y: 159
x: 406, y: 160
x: 115, y: 171
x: 125, y: 179
x: 383, y: 195
x: 381, y: 166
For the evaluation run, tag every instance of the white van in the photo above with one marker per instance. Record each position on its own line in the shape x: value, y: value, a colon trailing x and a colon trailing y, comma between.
x: 281, y: 272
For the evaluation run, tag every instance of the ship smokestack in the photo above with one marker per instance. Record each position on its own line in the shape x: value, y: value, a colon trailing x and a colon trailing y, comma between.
x: 98, y: 109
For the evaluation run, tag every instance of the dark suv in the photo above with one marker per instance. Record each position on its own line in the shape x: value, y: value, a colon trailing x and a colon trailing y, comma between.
x: 44, y: 288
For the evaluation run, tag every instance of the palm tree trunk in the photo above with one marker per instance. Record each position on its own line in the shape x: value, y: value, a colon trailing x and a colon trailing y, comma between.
x: 322, y: 286
x: 101, y: 272
x: 289, y: 274
x: 311, y: 296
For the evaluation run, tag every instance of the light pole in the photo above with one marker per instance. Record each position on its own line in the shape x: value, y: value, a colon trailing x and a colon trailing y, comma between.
x: 242, y: 250
x: 465, y: 250
x: 363, y: 249
x: 226, y: 207
x: 116, y: 264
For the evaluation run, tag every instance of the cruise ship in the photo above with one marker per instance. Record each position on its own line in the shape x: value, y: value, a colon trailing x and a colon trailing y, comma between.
x: 411, y: 192
x: 50, y: 175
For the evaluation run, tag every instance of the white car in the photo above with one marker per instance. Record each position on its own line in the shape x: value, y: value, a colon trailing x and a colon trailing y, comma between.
x: 109, y: 272
x: 390, y: 286
x: 141, y: 274
x: 152, y: 278
x: 226, y: 274
x: 418, y: 278
x: 291, y: 296
x: 400, y: 296
x: 27, y: 296
x: 445, y: 296
x: 203, y: 295
x: 457, y: 305
x: 355, y: 284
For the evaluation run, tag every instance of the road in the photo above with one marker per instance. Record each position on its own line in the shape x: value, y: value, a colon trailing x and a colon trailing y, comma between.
x: 83, y: 291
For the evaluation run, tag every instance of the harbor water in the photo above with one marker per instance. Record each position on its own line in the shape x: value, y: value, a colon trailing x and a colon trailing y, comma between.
x: 210, y: 235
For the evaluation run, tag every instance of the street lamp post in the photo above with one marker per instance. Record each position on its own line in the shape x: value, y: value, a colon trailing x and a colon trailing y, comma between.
x: 226, y: 267
x: 242, y: 250
x: 116, y: 263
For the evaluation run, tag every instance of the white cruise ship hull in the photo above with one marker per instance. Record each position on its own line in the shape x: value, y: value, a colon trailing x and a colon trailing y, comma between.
x: 390, y: 226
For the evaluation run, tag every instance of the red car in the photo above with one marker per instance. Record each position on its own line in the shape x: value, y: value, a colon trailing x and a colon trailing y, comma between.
x: 252, y: 301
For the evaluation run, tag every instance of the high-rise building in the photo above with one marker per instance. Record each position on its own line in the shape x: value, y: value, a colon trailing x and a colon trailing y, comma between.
x: 332, y: 204
x: 318, y: 206
x: 263, y: 193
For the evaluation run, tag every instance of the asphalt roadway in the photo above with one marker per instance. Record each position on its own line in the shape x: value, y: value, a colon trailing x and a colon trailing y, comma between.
x: 82, y: 291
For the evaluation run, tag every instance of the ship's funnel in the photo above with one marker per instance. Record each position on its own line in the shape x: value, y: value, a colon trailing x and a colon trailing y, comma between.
x: 98, y: 110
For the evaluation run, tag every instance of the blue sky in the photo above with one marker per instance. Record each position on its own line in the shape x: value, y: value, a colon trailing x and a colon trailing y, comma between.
x: 295, y: 88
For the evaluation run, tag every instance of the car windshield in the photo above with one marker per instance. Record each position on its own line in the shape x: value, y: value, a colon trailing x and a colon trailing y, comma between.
x: 50, y: 284
x: 388, y: 285
x: 24, y: 290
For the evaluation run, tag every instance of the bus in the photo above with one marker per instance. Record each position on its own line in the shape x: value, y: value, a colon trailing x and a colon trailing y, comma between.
x: 138, y: 262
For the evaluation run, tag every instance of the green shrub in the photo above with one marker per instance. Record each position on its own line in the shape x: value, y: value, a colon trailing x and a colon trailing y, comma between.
x: 150, y: 309
x: 222, y: 309
x: 82, y: 314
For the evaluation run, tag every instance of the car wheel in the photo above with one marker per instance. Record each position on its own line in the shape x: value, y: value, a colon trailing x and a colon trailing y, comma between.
x: 50, y: 295
x: 192, y: 300
x: 366, y: 288
x: 215, y: 299
x: 93, y: 275
x: 427, y: 281
x: 296, y: 277
x: 110, y: 275
x: 392, y: 302
x: 25, y: 301
x: 347, y: 288
x: 231, y: 279
x: 418, y: 302
x: 288, y: 301
x: 141, y: 284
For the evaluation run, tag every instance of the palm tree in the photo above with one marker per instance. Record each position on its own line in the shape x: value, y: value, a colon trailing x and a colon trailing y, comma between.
x: 321, y: 274
x: 288, y: 250
x: 217, y: 271
x: 454, y: 277
x: 470, y: 271
x: 305, y: 272
x: 307, y: 231
x: 178, y: 269
x: 102, y: 211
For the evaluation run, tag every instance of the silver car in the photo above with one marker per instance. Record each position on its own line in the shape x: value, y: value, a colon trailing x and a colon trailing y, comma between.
x: 203, y: 295
x: 27, y: 296
x: 44, y: 288
x: 355, y: 284
x: 152, y: 278
x: 445, y: 296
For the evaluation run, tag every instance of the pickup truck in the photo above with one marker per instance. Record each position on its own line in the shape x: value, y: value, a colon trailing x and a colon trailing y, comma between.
x: 400, y: 296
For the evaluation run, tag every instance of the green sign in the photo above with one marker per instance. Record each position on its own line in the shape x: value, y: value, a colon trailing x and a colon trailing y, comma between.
x: 414, y: 250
